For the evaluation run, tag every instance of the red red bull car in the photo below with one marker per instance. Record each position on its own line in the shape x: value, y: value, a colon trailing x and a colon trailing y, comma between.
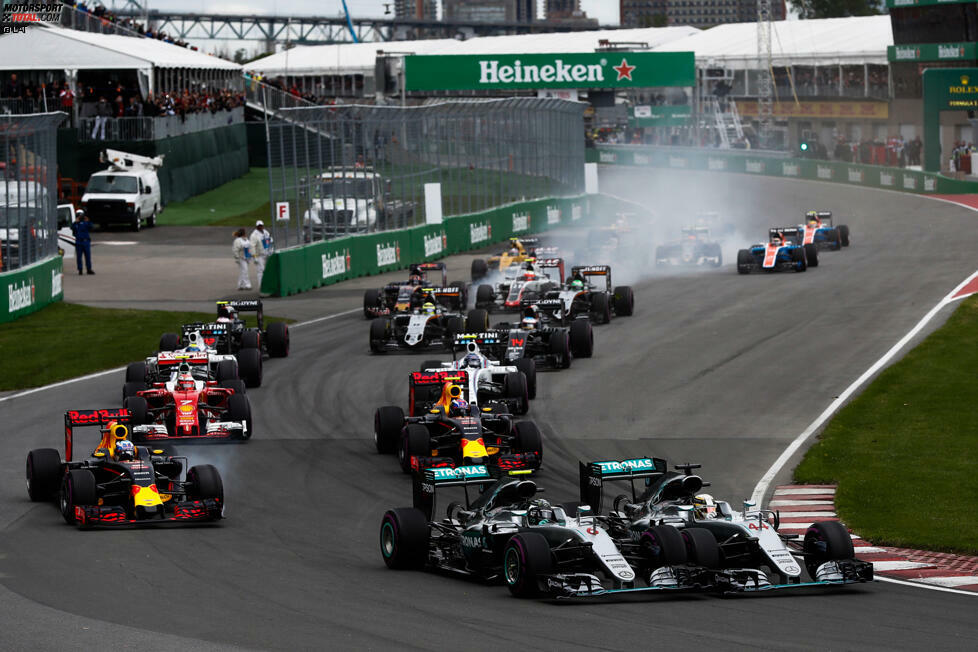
x: 122, y: 484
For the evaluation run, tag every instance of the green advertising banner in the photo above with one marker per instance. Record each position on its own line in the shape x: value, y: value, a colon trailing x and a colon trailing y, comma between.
x: 29, y: 289
x: 932, y: 52
x: 660, y: 116
x: 532, y: 71
x: 896, y: 4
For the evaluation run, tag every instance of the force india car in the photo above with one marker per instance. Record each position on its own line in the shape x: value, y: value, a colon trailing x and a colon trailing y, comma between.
x: 443, y: 435
x: 694, y: 248
x: 403, y: 296
x: 103, y: 491
x: 519, y: 251
x: 504, y: 533
x: 423, y: 327
x: 782, y: 253
x: 520, y: 283
x: 188, y: 408
x: 563, y: 305
x: 487, y: 379
x: 668, y: 519
x: 818, y: 231
x: 203, y: 364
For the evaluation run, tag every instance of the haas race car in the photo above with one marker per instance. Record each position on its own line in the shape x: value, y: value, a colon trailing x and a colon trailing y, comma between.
x: 122, y: 484
x: 783, y: 252
x: 404, y: 296
x: 520, y: 283
x: 819, y: 232
x: 454, y: 430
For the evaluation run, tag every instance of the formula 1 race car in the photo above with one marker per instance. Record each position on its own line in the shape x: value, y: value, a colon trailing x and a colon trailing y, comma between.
x: 781, y: 253
x: 519, y: 250
x: 520, y: 284
x: 121, y: 484
x: 455, y: 430
x: 548, y: 347
x: 818, y: 231
x: 425, y: 326
x: 505, y: 533
x: 403, y: 296
x: 669, y: 515
x: 188, y: 408
x: 487, y: 379
x: 203, y: 363
x: 581, y: 298
x: 694, y: 248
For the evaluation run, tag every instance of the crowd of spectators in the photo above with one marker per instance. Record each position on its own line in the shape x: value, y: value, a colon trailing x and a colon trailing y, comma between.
x: 97, y: 11
x: 281, y: 84
x: 893, y: 152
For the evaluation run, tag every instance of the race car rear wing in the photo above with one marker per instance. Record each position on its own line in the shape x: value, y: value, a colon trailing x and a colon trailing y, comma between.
x: 593, y: 475
x: 78, y: 418
x: 593, y: 270
x: 423, y: 268
x: 438, y: 377
x: 245, y: 305
x: 481, y: 338
x: 791, y: 234
x: 551, y: 263
x: 427, y: 481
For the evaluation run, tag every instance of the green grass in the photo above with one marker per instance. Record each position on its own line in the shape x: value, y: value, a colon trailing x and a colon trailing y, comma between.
x: 237, y: 203
x: 905, y: 452
x: 66, y: 340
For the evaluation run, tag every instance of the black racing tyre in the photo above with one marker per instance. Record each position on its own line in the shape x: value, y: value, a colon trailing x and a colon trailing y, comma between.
x: 559, y: 347
x: 239, y: 409
x: 130, y: 389
x: 826, y: 541
x: 371, y: 301
x: 663, y: 545
x: 43, y: 473
x: 404, y: 538
x: 204, y: 482
x: 430, y: 364
x: 388, y: 423
x: 169, y: 342
x: 744, y: 261
x: 236, y: 384
x: 136, y: 372
x: 525, y: 558
x: 138, y: 410
x: 624, y: 299
x: 226, y: 370
x: 844, y: 234
x: 415, y: 442
x: 581, y: 338
x: 702, y: 548
x: 480, y: 269
x: 514, y: 387
x: 811, y: 255
x: 483, y: 296
x: 477, y: 320
x: 601, y: 307
x: 527, y: 438
x: 453, y: 326
x: 378, y: 334
x: 251, y: 339
x: 718, y: 253
x: 278, y: 339
x: 77, y: 489
x: 250, y: 367
x: 836, y: 238
x: 529, y: 369
x: 798, y: 258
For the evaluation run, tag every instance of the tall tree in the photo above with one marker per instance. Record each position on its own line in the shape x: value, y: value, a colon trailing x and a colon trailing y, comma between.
x: 837, y: 8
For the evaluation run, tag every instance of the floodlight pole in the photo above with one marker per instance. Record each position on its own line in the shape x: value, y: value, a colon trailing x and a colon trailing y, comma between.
x: 765, y: 90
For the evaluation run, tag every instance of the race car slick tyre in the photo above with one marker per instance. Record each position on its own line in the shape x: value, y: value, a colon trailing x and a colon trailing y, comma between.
x: 77, y: 489
x: 415, y: 442
x: 388, y: 423
x: 529, y: 369
x: 404, y: 538
x: 480, y: 268
x: 559, y: 347
x: 525, y: 558
x: 514, y: 387
x: 453, y: 326
x: 251, y: 339
x: 744, y: 260
x: 581, y: 338
x: 826, y: 541
x: 43, y: 473
x: 371, y: 301
x: 811, y: 255
x: 250, y: 367
x: 136, y: 372
x: 702, y: 548
x: 798, y: 258
x: 717, y: 253
x: 130, y: 389
x: 528, y: 439
x: 226, y: 370
x: 239, y: 409
x: 234, y: 383
x: 624, y: 300
x: 663, y: 545
x: 601, y: 307
x: 378, y: 334
x: 169, y: 342
x: 278, y: 339
x: 204, y: 481
x: 483, y: 296
x: 477, y: 320
x: 844, y: 234
x: 463, y: 295
x: 430, y: 364
x: 836, y: 239
x: 138, y: 410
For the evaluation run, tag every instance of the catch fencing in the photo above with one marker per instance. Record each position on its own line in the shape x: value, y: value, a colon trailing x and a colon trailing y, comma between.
x: 343, y: 170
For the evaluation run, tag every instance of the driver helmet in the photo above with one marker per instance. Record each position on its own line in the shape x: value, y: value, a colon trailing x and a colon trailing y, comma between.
x: 459, y: 406
x: 776, y: 239
x: 124, y: 450
x: 529, y: 275
x: 415, y: 279
x: 577, y: 284
x: 529, y: 323
x: 513, y: 251
x: 193, y: 347
x: 428, y: 308
x: 541, y: 512
x: 812, y: 218
x: 228, y: 312
x: 704, y: 506
x: 472, y: 360
x: 185, y: 382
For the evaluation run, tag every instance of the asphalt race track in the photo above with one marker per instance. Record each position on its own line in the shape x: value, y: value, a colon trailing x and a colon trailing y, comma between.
x: 714, y: 368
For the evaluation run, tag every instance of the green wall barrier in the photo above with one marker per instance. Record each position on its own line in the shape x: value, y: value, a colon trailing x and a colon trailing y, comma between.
x: 31, y: 288
x: 310, y: 266
x: 744, y: 162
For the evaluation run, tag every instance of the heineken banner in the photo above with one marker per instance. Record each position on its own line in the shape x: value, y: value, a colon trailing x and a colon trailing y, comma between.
x: 932, y: 52
x: 532, y: 71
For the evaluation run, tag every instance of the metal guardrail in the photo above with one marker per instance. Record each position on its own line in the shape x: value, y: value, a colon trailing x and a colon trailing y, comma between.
x: 157, y: 128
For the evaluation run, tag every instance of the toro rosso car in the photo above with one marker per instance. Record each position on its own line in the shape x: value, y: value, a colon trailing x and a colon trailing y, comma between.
x: 781, y: 253
x: 819, y: 232
x: 188, y: 408
x: 520, y: 284
x: 694, y: 248
x: 504, y: 532
x: 403, y: 296
x: 512, y: 382
x: 122, y: 484
x: 667, y: 514
x: 427, y: 325
x: 519, y: 251
x: 203, y: 364
x: 455, y: 431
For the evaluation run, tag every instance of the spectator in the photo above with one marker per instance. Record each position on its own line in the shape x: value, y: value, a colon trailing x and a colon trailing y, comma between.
x: 241, y: 249
x: 67, y: 98
x: 261, y: 248
x: 82, y: 229
x: 103, y: 111
x: 135, y: 108
x: 13, y: 88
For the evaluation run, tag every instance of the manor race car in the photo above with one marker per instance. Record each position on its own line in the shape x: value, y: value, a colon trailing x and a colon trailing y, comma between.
x: 694, y: 248
x: 670, y: 516
x: 427, y: 325
x: 403, y: 296
x: 818, y: 231
x: 122, y: 484
x: 782, y: 253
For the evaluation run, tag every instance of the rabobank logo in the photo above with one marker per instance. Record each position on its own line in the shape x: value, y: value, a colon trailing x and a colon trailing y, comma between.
x: 521, y: 222
x: 20, y: 296
x: 479, y: 232
x: 387, y: 254
x: 553, y: 215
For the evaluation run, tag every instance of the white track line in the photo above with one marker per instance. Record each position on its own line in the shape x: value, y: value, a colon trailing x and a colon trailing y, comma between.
x: 327, y: 317
x: 930, y: 587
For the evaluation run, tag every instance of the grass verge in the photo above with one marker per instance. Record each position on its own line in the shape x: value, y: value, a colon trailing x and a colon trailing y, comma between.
x: 239, y: 202
x: 905, y: 452
x: 66, y: 340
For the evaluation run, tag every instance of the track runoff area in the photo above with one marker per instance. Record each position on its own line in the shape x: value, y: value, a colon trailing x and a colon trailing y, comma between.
x: 713, y: 368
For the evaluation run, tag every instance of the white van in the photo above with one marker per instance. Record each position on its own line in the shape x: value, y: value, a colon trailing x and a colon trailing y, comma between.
x: 128, y: 192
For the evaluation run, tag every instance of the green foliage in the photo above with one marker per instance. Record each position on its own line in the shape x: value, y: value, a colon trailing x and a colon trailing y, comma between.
x: 837, y: 8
